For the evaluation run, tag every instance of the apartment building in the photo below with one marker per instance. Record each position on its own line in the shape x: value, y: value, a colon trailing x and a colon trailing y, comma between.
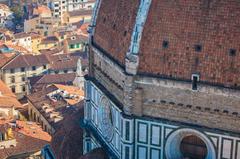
x: 76, y: 43
x: 59, y: 8
x: 9, y: 105
x: 62, y: 64
x: 49, y: 42
x: 77, y: 16
x: 23, y: 39
x: 36, y: 41
x: 45, y: 26
x: 14, y: 72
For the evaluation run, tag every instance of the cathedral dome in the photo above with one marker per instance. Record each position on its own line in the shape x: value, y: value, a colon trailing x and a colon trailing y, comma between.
x: 177, y: 39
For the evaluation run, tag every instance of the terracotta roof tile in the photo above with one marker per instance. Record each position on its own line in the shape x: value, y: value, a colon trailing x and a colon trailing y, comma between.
x: 27, y: 61
x: 42, y: 9
x: 185, y: 27
x: 18, y: 48
x: 29, y: 136
x: 54, y: 78
x: 63, y: 61
x: 35, y: 36
x: 7, y: 98
x: 188, y: 24
x: 115, y: 23
x: 21, y: 35
x: 74, y: 39
x: 38, y: 82
x: 72, y: 90
x: 50, y: 39
x: 80, y: 13
x: 83, y: 28
x: 52, y: 51
x: 69, y: 136
x: 57, y: 101
x: 5, y: 58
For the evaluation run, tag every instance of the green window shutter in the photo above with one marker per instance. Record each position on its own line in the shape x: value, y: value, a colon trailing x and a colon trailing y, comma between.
x: 72, y: 46
x: 78, y: 45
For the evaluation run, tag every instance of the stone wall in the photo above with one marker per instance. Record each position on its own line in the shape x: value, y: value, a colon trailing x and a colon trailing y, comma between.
x: 108, y: 74
x: 208, y: 106
x: 193, y: 116
x: 109, y: 68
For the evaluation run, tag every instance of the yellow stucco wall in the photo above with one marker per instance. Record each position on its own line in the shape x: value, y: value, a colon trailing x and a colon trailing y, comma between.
x: 35, y: 45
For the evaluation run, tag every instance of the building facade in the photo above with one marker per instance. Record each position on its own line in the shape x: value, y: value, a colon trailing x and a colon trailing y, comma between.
x: 24, y: 40
x: 15, y: 72
x: 164, y: 80
x: 59, y: 8
x: 9, y: 104
x: 6, y: 16
x: 80, y: 4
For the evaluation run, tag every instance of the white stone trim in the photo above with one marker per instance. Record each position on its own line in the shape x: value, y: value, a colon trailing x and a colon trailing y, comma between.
x: 132, y: 59
x: 196, y: 75
x: 174, y: 140
x: 94, y: 16
x: 139, y: 25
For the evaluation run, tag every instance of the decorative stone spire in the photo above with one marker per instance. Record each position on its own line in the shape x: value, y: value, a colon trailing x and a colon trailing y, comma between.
x: 79, y: 80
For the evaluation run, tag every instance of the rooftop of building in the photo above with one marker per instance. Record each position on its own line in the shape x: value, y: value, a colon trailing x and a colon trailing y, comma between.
x: 63, y: 61
x: 76, y: 39
x: 22, y: 35
x: 4, y: 7
x: 81, y: 12
x: 56, y: 101
x: 38, y: 82
x: 26, y: 61
x: 35, y: 36
x: 7, y: 98
x: 5, y: 30
x: 69, y: 136
x: 53, y: 51
x: 14, y: 48
x: 71, y: 90
x: 5, y: 58
x: 49, y: 39
x: 64, y: 32
x: 29, y: 137
x: 41, y: 9
x: 178, y: 39
x: 78, y: 24
x: 84, y: 28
